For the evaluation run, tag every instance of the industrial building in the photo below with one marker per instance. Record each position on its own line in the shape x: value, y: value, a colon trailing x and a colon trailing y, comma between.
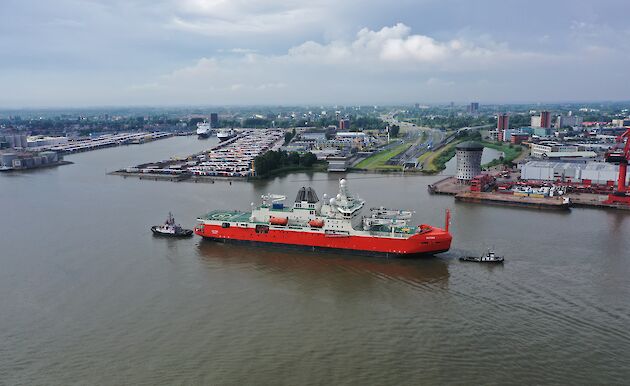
x: 28, y: 160
x: 567, y: 120
x: 13, y: 141
x: 594, y: 172
x: 539, y: 150
x: 468, y: 160
x: 338, y: 164
x: 45, y: 141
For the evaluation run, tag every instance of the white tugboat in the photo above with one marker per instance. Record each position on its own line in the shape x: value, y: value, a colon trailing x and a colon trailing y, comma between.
x: 170, y: 229
x: 488, y: 257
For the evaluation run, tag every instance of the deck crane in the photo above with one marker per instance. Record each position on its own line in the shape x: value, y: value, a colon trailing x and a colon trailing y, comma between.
x: 620, y: 154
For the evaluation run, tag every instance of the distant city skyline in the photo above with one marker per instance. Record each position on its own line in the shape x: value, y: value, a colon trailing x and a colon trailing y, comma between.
x: 75, y: 53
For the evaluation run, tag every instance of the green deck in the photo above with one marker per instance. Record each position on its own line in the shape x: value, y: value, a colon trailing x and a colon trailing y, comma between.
x: 227, y: 215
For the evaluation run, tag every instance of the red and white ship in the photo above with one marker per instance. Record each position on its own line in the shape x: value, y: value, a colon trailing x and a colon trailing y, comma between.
x: 335, y: 223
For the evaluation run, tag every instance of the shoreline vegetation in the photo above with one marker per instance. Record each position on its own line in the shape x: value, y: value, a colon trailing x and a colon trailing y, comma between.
x: 510, y: 153
x: 274, y: 163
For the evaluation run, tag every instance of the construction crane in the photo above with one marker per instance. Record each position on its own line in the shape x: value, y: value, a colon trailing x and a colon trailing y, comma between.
x: 620, y: 154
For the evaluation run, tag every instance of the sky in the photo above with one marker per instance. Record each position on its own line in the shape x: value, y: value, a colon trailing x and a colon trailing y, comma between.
x: 80, y: 53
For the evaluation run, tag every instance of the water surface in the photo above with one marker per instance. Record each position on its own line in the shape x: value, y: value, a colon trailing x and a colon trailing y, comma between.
x: 89, y: 296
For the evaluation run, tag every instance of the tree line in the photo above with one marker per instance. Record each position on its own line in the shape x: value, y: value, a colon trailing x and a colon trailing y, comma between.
x: 274, y: 160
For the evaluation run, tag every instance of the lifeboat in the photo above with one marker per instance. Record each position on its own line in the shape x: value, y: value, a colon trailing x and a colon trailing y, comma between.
x: 316, y: 223
x: 278, y: 220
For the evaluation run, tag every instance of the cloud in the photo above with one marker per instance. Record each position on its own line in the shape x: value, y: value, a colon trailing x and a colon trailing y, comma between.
x: 372, y: 61
x: 230, y: 17
x: 295, y: 51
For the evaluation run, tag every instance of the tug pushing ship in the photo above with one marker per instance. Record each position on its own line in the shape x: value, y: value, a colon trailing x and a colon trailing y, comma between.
x: 333, y: 223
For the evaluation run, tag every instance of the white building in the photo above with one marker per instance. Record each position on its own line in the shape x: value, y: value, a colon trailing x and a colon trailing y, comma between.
x: 535, y: 121
x: 596, y: 172
x: 540, y: 150
x: 621, y: 122
x: 567, y: 120
x: 41, y: 141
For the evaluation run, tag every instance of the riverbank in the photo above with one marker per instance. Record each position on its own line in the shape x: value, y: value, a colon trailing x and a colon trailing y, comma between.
x: 378, y: 161
x: 510, y: 153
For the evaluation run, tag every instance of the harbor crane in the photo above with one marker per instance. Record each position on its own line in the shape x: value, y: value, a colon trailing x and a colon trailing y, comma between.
x: 620, y: 154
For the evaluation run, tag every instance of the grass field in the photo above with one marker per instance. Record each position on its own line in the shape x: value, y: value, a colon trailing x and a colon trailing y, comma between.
x: 378, y: 161
x: 434, y: 161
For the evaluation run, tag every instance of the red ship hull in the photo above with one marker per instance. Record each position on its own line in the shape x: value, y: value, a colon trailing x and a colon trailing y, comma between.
x: 434, y: 241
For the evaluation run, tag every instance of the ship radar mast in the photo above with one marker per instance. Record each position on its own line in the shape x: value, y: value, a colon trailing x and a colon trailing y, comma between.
x: 345, y: 202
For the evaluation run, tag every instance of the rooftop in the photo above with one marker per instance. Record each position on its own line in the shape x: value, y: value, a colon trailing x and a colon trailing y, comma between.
x: 469, y: 145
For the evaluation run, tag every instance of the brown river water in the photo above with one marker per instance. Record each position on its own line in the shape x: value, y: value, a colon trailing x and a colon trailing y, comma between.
x: 89, y: 296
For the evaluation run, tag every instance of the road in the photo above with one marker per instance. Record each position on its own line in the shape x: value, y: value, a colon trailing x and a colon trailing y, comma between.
x: 423, y: 138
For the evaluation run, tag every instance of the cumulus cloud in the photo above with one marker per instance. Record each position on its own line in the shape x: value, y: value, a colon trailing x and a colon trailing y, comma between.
x: 373, y: 60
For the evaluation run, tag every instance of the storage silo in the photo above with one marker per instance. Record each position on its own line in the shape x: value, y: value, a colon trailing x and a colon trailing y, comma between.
x: 468, y: 160
x: 6, y: 159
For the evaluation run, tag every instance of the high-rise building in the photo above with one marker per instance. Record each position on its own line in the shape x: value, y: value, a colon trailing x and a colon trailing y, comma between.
x: 569, y: 120
x: 344, y: 124
x: 473, y: 108
x: 545, y: 119
x: 503, y: 122
x: 214, y: 120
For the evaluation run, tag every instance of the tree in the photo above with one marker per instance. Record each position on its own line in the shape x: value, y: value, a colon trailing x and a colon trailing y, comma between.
x: 308, y: 159
x: 394, y: 130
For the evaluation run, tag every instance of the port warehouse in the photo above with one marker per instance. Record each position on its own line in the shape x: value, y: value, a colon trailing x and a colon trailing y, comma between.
x: 26, y: 152
x: 574, y: 171
x: 27, y: 160
x: 109, y: 140
x: 231, y: 158
x: 68, y: 145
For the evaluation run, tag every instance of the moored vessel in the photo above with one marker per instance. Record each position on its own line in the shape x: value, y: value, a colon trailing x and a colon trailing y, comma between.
x: 203, y: 129
x: 225, y: 134
x: 171, y: 229
x: 334, y: 223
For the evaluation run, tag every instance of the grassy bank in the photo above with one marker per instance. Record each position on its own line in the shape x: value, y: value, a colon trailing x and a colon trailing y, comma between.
x: 510, y: 154
x: 378, y: 161
x: 434, y: 162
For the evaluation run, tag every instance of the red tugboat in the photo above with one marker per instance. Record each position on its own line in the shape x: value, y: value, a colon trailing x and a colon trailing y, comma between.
x: 335, y: 224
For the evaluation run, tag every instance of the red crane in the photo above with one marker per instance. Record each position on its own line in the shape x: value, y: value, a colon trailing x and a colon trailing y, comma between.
x: 620, y: 154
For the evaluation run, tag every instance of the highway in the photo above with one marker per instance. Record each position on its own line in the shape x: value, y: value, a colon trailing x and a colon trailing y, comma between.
x: 423, y: 138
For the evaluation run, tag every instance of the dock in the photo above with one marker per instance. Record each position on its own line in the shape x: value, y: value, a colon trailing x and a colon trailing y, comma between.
x: 230, y: 159
x: 109, y: 140
x: 556, y: 203
x: 448, y: 186
x: 461, y: 192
